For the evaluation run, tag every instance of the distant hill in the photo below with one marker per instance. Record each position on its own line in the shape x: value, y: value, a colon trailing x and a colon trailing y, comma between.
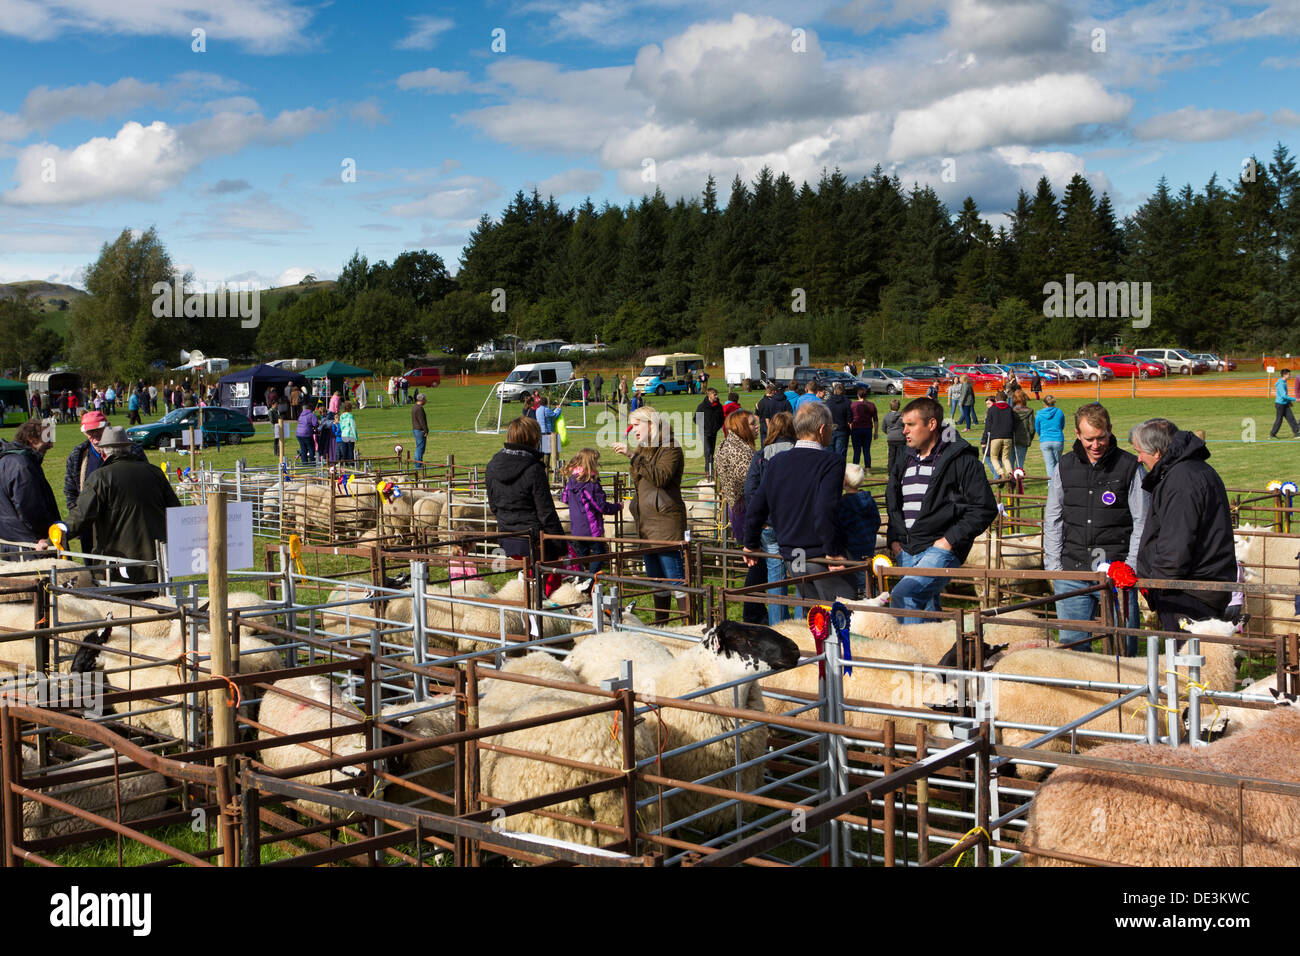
x: 51, y: 295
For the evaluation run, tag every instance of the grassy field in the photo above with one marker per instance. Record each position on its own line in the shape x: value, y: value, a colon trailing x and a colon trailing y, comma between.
x: 1236, y: 430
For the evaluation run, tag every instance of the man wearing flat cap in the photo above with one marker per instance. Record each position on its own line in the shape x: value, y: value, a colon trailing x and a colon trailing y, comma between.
x: 123, y: 504
x: 84, y: 461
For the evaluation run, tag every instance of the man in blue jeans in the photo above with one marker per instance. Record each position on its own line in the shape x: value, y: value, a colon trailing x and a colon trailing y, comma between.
x: 938, y: 502
x: 1282, y: 401
x: 420, y: 428
x: 1096, y: 510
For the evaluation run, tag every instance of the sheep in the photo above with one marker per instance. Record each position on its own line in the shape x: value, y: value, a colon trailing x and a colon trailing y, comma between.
x: 729, y: 652
x: 281, y: 715
x: 16, y: 656
x: 71, y: 574
x: 497, y: 698
x: 127, y: 657
x: 1269, y: 559
x: 904, y: 687
x: 1153, y: 821
x: 141, y: 796
x: 936, y: 639
x: 1016, y: 702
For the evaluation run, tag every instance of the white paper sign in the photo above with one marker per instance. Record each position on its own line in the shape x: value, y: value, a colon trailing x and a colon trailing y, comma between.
x: 187, y: 538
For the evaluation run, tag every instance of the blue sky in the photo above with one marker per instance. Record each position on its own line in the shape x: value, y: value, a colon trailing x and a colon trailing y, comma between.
x: 237, y: 153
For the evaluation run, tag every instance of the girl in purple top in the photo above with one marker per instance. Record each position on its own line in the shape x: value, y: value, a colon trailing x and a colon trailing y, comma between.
x: 587, y: 505
x: 306, y: 432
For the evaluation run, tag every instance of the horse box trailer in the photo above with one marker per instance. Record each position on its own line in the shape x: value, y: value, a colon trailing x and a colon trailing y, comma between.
x: 757, y: 362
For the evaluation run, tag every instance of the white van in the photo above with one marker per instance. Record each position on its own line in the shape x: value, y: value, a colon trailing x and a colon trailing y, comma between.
x: 521, y: 382
x: 1175, y: 360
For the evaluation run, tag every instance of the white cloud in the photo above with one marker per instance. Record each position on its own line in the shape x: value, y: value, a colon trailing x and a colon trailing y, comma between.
x: 45, y: 107
x: 260, y: 26
x: 246, y: 220
x: 1044, y: 109
x: 1281, y: 62
x: 453, y: 198
x: 739, y: 72
x: 1193, y: 125
x: 144, y: 161
x: 12, y: 127
x: 140, y: 162
x: 1003, y: 27
x: 434, y: 80
x: 1275, y: 20
x: 571, y: 181
x: 424, y: 32
x: 293, y: 275
x: 369, y: 112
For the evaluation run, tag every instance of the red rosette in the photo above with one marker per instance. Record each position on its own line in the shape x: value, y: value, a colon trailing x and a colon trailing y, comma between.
x: 1121, y: 575
x: 819, y: 626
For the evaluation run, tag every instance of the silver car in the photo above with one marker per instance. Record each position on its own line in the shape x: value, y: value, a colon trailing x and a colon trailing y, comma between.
x: 1091, y: 368
x: 882, y: 381
x: 1066, y: 373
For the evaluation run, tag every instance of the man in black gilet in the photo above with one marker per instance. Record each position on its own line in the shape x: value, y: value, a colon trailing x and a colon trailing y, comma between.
x: 1096, y: 509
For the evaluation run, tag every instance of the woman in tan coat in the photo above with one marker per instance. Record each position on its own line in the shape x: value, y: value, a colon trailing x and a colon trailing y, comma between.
x: 657, y: 507
x: 731, y: 465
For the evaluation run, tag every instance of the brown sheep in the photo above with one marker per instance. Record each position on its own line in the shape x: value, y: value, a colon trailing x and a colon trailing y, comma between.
x: 1151, y: 821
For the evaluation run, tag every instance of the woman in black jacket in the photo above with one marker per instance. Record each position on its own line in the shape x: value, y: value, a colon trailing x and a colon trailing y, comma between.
x: 27, y: 504
x: 518, y: 493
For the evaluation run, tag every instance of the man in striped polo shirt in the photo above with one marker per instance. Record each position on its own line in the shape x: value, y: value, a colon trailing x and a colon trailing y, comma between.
x: 938, y: 501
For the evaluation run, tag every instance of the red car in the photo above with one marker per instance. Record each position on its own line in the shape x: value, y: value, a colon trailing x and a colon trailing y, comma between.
x: 429, y: 376
x: 1130, y: 365
x: 977, y: 377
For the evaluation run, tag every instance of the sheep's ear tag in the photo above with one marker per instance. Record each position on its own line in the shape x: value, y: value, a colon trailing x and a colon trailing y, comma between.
x: 623, y: 683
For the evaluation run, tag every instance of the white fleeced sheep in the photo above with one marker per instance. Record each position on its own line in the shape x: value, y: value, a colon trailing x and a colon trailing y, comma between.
x: 141, y: 797
x: 324, y: 708
x: 904, y: 687
x: 718, y: 659
x: 1016, y: 702
x: 1150, y: 821
x: 497, y: 698
x: 128, y: 672
x: 20, y: 655
x: 71, y: 574
x: 1269, y: 559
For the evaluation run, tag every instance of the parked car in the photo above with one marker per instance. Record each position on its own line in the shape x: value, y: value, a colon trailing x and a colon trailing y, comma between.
x: 1175, y: 360
x: 928, y: 373
x: 220, y: 426
x: 1127, y: 366
x: 1216, y: 364
x: 805, y: 375
x: 426, y: 375
x: 1025, y: 373
x: 1091, y: 368
x: 1063, y: 372
x: 978, y: 375
x: 882, y: 381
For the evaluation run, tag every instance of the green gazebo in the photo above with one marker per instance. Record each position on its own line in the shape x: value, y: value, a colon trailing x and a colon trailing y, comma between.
x: 14, y: 395
x: 334, y: 373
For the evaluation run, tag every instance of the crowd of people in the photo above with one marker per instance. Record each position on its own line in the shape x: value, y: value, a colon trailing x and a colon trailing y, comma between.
x: 798, y: 507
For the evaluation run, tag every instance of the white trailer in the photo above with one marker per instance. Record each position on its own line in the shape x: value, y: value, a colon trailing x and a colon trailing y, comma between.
x: 758, y: 362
